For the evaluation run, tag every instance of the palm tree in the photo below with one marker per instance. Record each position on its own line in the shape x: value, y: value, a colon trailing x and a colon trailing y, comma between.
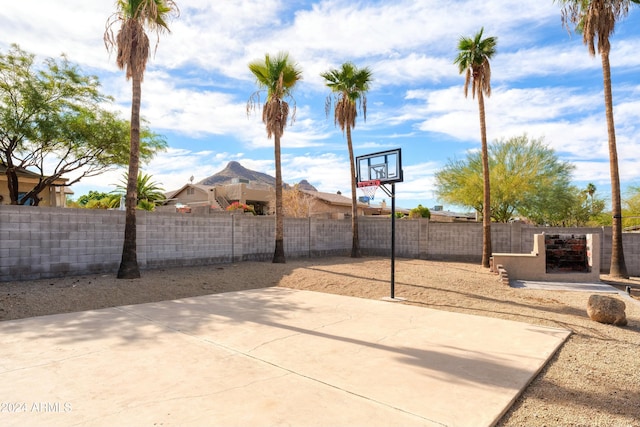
x: 150, y: 194
x: 596, y: 20
x: 349, y: 86
x: 473, y: 59
x: 278, y: 76
x: 591, y: 189
x: 133, y: 50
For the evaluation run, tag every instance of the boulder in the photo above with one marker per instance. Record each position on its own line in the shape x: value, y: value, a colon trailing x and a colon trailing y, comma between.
x: 606, y: 309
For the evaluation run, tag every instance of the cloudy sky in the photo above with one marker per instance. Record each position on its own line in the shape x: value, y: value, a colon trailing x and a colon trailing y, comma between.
x: 544, y: 84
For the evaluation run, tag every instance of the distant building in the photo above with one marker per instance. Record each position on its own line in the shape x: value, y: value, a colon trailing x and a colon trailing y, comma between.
x: 440, y: 215
x: 383, y: 209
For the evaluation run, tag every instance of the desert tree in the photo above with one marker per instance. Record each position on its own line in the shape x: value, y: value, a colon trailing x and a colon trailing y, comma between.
x: 296, y: 203
x: 527, y: 180
x: 55, y: 123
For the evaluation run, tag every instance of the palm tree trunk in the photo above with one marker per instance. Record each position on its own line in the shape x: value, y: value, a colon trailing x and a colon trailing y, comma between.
x: 278, y: 254
x: 355, y: 244
x: 618, y: 267
x: 129, y: 263
x: 486, y: 204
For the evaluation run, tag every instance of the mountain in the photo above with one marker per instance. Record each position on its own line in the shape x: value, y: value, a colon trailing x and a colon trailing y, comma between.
x: 304, y: 185
x: 235, y: 170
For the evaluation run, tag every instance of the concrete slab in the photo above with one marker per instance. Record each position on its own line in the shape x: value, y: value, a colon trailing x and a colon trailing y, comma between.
x: 271, y: 356
x: 564, y: 286
x: 573, y: 287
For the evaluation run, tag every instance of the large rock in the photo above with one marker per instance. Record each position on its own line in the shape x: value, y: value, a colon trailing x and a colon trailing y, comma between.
x: 606, y: 309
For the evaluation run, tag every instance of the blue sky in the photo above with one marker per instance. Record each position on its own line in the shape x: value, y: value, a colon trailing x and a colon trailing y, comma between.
x: 544, y: 84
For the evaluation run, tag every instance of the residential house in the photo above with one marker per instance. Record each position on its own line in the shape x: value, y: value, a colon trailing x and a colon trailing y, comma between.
x: 53, y: 195
x: 218, y: 197
x: 330, y: 205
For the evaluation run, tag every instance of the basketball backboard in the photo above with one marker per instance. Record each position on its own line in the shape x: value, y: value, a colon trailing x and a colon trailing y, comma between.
x: 385, y: 166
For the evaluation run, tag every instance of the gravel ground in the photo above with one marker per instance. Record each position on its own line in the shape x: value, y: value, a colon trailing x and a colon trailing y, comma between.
x: 593, y: 380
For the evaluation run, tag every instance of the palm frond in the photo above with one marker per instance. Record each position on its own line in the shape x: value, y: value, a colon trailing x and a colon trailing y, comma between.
x: 594, y: 19
x: 473, y: 59
x: 277, y: 75
x: 131, y: 42
x: 349, y: 86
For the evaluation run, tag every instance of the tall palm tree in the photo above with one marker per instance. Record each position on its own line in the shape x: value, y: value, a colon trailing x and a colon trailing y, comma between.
x: 349, y: 86
x: 278, y: 76
x: 133, y: 49
x: 473, y: 60
x: 596, y: 20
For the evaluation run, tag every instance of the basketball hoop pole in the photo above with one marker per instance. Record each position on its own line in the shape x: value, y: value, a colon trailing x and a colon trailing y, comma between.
x: 392, y: 194
x: 393, y: 241
x: 381, y: 169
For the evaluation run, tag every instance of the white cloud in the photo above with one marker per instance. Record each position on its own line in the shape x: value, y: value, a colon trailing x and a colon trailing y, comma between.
x: 327, y: 172
x: 418, y: 183
x: 197, y: 85
x: 47, y: 31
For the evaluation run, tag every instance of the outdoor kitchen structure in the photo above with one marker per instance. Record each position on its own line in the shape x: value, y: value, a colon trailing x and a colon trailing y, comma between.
x: 554, y: 258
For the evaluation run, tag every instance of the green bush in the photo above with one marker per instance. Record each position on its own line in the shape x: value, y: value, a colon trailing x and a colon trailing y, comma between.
x: 420, y: 212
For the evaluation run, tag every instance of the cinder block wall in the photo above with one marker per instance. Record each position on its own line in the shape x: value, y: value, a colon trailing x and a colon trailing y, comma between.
x: 48, y: 242
x: 454, y: 241
x: 167, y: 239
x: 631, y: 245
x: 329, y: 237
x: 253, y: 237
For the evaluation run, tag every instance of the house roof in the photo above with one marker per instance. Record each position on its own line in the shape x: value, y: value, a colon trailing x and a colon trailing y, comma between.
x: 171, y: 194
x: 20, y: 171
x: 453, y: 214
x: 26, y: 172
x: 331, y: 198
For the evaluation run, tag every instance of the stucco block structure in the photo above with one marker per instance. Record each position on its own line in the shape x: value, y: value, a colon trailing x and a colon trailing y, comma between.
x: 545, y: 261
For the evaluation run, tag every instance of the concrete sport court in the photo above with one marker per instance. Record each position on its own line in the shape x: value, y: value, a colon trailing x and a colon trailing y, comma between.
x: 267, y: 357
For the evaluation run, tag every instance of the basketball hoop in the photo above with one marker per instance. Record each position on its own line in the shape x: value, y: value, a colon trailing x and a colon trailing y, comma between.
x: 369, y: 188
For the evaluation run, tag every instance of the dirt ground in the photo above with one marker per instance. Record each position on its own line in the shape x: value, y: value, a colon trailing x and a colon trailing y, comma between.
x: 593, y: 380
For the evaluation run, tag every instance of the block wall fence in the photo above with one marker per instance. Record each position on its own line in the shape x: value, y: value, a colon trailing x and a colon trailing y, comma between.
x: 51, y: 242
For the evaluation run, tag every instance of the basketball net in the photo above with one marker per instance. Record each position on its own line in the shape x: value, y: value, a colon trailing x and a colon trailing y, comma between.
x: 369, y: 188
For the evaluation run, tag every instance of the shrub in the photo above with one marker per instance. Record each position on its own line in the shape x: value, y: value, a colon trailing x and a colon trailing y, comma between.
x: 420, y: 212
x: 236, y: 206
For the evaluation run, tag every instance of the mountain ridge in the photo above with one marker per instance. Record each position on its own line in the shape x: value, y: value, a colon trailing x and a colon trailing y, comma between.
x: 235, y: 170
